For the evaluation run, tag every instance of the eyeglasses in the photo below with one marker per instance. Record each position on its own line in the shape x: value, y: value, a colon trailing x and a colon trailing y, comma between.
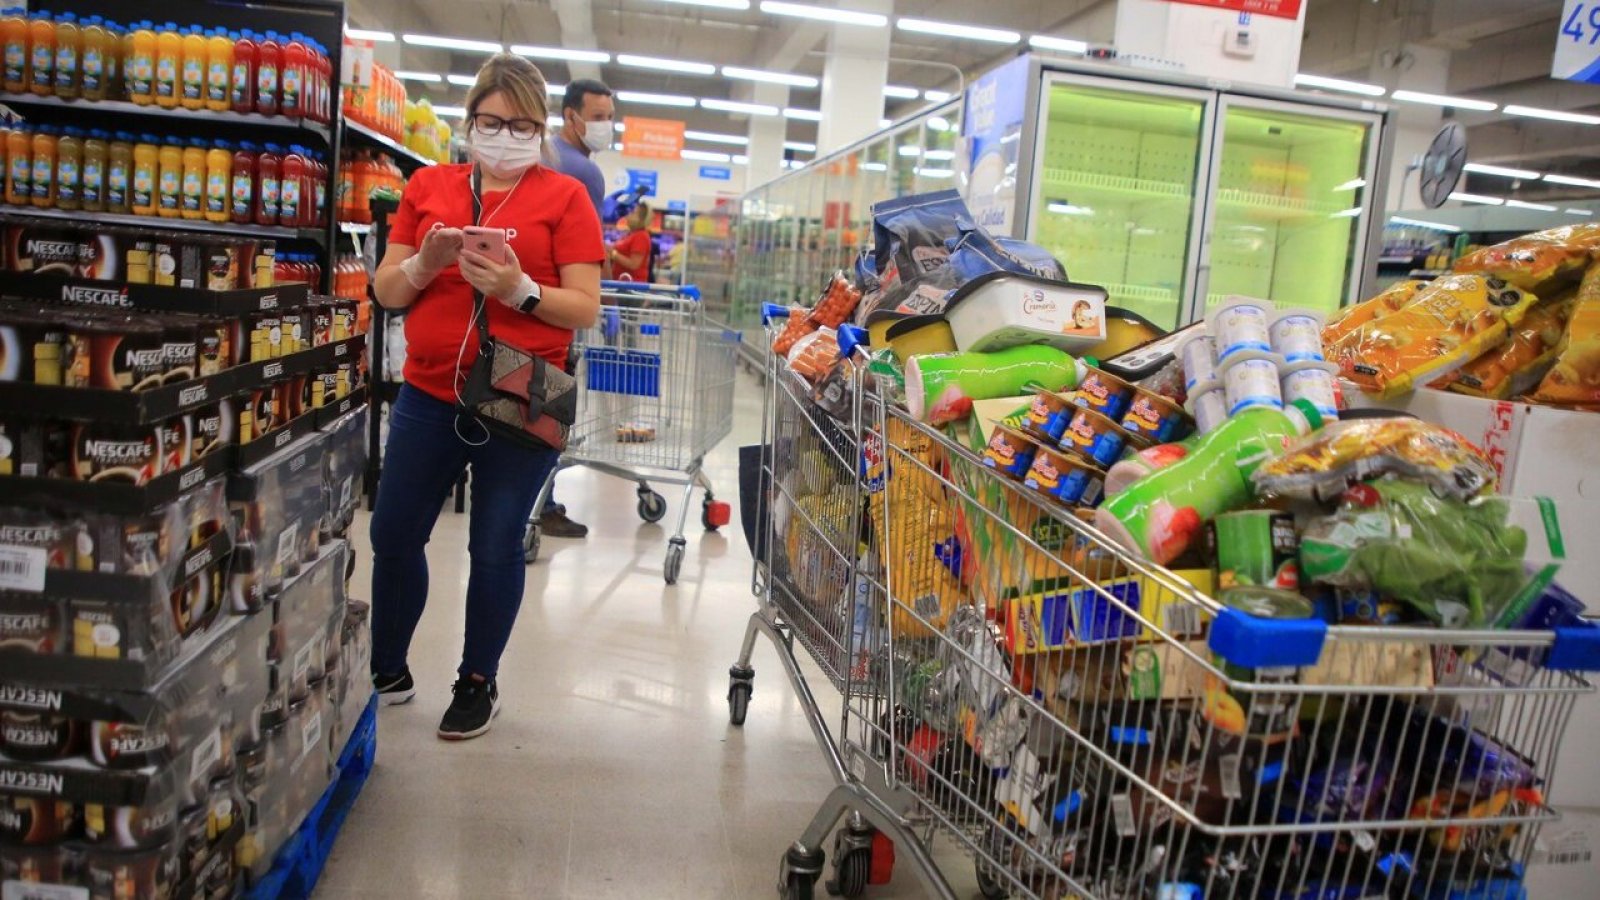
x: 488, y: 125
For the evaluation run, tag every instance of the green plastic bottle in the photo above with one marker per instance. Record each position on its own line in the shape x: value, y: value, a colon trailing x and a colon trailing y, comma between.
x: 1162, y: 514
x: 940, y: 387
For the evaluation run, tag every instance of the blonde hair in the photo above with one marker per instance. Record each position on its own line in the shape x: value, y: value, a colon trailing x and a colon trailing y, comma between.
x: 524, y: 88
x: 639, y: 218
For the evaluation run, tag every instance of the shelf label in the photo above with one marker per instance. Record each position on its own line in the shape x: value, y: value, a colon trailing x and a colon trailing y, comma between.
x: 200, y: 393
x: 272, y: 370
x: 84, y: 295
x: 192, y: 478
x: 283, y: 438
x: 22, y: 568
x: 341, y: 350
x: 267, y: 301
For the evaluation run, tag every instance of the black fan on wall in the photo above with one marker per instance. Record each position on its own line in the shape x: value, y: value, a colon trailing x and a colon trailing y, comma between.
x: 1442, y: 165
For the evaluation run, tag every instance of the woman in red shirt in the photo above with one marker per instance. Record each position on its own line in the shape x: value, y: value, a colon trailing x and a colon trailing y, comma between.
x: 630, y: 256
x: 547, y: 285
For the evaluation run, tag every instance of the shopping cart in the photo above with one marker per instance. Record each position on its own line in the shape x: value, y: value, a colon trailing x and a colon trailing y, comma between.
x: 655, y: 393
x: 1083, y: 723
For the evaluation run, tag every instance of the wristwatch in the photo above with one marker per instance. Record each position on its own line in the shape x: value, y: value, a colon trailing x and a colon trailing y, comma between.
x: 531, y: 302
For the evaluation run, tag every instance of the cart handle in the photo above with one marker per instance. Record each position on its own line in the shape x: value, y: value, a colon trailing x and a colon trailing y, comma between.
x: 638, y: 287
x: 771, y: 311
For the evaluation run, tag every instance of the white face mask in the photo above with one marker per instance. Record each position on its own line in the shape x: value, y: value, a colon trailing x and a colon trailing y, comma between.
x: 597, y: 136
x: 505, y: 156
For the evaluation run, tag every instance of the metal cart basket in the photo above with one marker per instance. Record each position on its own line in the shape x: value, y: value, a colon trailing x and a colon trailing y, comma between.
x: 1083, y: 723
x: 655, y: 394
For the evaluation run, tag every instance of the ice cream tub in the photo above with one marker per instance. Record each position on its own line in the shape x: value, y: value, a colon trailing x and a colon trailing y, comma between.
x: 1296, y: 335
x: 1315, y: 382
x: 1063, y: 476
x: 1251, y: 379
x: 1096, y: 437
x: 1197, y: 353
x: 1104, y: 393
x: 1048, y: 416
x: 1207, y: 405
x: 1241, y: 325
x: 1155, y: 417
x: 1010, y: 451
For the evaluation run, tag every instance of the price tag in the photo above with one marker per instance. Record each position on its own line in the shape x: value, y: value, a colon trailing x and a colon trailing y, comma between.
x: 288, y: 540
x: 1122, y: 815
x: 206, y: 758
x: 310, y: 734
x: 1228, y: 774
x: 22, y: 568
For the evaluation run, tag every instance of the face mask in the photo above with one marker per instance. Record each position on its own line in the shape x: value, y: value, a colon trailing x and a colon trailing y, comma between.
x: 505, y: 156
x: 597, y: 136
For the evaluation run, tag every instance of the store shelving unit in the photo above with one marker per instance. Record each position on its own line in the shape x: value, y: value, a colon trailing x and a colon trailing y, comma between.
x: 408, y: 160
x: 157, y: 223
x: 49, y: 106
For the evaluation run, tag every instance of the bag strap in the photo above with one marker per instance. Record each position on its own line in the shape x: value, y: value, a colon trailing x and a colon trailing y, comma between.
x: 480, y: 312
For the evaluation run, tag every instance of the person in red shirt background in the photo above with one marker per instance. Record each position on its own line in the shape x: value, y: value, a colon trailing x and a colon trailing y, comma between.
x: 547, y: 285
x: 630, y: 255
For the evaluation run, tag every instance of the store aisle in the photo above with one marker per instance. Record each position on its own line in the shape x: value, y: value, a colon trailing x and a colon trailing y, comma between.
x: 612, y: 771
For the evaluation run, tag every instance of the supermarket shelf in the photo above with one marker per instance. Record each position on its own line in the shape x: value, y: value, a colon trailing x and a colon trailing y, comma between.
x: 408, y: 159
x: 154, y: 298
x: 1095, y: 182
x: 1273, y: 206
x: 11, y: 213
x: 207, y: 116
x: 114, y: 588
x: 1140, y: 292
x: 117, y: 498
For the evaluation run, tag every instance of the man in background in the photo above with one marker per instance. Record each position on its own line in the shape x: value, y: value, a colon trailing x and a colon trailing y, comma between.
x: 587, y: 113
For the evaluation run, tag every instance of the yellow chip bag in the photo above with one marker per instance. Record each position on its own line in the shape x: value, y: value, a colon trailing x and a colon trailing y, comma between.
x: 1451, y: 321
x: 1535, y: 261
x: 1518, y: 362
x: 1389, y: 301
x: 1575, y: 379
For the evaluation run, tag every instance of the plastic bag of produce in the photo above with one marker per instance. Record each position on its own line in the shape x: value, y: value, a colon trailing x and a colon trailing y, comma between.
x: 1323, y: 464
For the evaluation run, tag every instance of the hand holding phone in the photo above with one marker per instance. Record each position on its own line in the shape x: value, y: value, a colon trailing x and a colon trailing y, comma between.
x: 487, y: 242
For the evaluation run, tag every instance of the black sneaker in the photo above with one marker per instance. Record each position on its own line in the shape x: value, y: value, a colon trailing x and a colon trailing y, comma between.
x: 474, y: 707
x: 554, y: 523
x: 394, y: 690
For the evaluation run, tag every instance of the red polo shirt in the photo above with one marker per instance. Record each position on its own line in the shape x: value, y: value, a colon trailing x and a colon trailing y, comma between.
x: 555, y: 226
x: 635, y: 243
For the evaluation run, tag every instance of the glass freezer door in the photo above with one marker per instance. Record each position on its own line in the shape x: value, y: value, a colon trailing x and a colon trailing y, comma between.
x: 1114, y: 188
x: 1289, y: 205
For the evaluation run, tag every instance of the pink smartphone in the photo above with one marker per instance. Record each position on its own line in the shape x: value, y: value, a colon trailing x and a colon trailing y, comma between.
x: 490, y: 242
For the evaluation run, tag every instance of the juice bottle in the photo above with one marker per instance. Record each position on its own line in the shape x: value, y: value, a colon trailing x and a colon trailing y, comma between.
x: 119, y: 173
x: 139, y: 63
x: 69, y: 169
x: 291, y: 190
x: 192, y: 71
x: 319, y: 190
x: 292, y: 77
x: 242, y: 83
x: 43, y: 193
x: 219, y: 172
x: 96, y: 149
x: 242, y: 192
x: 269, y: 60
x: 92, y: 62
x: 192, y: 191
x: 366, y: 172
x: 41, y: 54
x: 219, y: 70
x: 169, y: 181
x: 14, y: 34
x: 267, y: 185
x: 169, y: 63
x: 69, y: 44
x: 19, y: 166
x: 110, y: 61
x: 142, y: 189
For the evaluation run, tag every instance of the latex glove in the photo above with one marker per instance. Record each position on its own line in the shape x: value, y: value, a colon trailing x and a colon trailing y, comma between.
x: 500, y: 280
x: 440, y: 247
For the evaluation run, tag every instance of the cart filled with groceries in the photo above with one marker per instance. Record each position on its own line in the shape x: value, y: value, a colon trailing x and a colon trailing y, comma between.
x: 1124, y: 614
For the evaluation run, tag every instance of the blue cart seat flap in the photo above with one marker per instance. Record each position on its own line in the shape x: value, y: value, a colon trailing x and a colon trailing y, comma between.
x: 1576, y: 648
x: 770, y: 311
x: 1256, y: 643
x: 650, y: 328
x: 634, y: 372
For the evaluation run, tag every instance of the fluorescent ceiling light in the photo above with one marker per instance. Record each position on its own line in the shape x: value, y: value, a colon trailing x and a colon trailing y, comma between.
x: 734, y: 106
x: 939, y: 155
x: 938, y: 123
x: 874, y: 167
x: 740, y: 159
x: 805, y: 81
x: 885, y: 123
x: 556, y: 122
x: 1502, y: 171
x: 715, y: 138
x: 1556, y: 115
x: 450, y: 43
x: 957, y: 30
x: 802, y: 146
x: 666, y: 65
x: 1068, y: 209
x: 901, y: 92
x: 718, y: 4
x: 707, y: 156
x: 1574, y: 211
x: 463, y: 80
x: 1065, y: 45
x: 1350, y: 213
x: 803, y: 115
x: 1351, y: 185
x: 1523, y: 204
x: 1570, y: 180
x: 555, y: 90
x: 936, y: 96
x: 536, y: 52
x: 1421, y: 224
x: 459, y: 112
x: 793, y: 164
x: 934, y: 173
x: 1476, y: 198
x: 649, y: 99
x: 619, y: 127
x: 363, y: 34
x: 909, y: 150
x: 1338, y: 84
x: 405, y: 75
x: 1443, y: 100
x: 824, y: 14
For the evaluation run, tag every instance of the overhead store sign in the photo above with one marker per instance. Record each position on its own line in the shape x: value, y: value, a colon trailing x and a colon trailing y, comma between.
x: 1578, y: 45
x: 716, y: 173
x: 644, y: 180
x: 652, y: 138
x: 1283, y: 9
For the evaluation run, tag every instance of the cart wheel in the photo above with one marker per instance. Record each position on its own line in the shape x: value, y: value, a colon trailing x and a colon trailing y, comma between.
x: 713, y: 513
x: 674, y: 560
x: 855, y: 869
x: 530, y: 544
x: 652, y: 506
x: 990, y: 886
x: 798, y: 888
x: 738, y: 702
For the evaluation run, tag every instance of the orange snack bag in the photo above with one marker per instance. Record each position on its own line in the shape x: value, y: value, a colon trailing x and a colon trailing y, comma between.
x: 838, y: 303
x: 1453, y: 320
x: 1575, y: 379
x: 1535, y: 261
x: 1353, y: 317
x: 797, y: 326
x: 1517, y: 363
x: 814, y: 354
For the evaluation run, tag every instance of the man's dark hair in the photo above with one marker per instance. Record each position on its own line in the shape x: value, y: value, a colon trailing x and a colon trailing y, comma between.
x: 580, y: 89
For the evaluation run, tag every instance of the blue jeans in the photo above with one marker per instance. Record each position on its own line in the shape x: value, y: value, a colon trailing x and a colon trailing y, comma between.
x: 422, y: 462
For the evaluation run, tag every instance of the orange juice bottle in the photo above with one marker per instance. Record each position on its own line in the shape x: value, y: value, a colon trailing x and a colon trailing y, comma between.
x: 19, y: 165
x: 44, y: 167
x: 192, y: 190
x: 192, y: 70
x: 146, y: 176
x: 69, y: 169
x: 69, y: 48
x: 219, y: 174
x: 169, y: 181
x: 42, y: 54
x: 96, y: 63
x: 169, y: 62
x: 219, y: 70
x: 14, y: 34
x: 139, y: 63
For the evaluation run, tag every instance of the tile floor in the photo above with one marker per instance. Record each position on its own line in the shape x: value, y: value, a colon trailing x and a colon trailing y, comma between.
x: 612, y: 771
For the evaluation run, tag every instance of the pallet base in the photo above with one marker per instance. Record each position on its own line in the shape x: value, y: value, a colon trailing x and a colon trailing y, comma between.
x: 301, y: 860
